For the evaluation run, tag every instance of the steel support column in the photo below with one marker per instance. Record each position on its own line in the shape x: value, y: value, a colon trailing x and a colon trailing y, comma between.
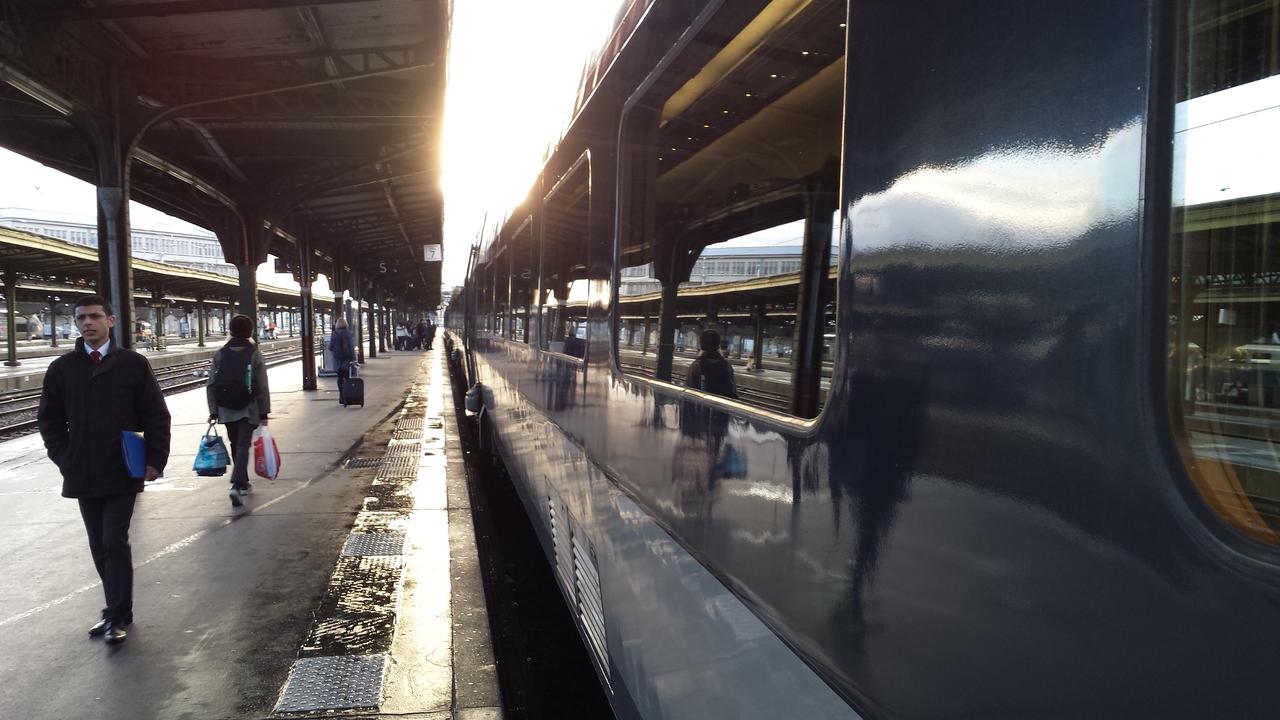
x: 200, y: 321
x: 53, y: 321
x: 248, y: 276
x: 357, y: 317
x: 667, y: 331
x: 820, y: 205
x: 373, y: 328
x: 111, y: 135
x: 157, y: 317
x: 305, y: 315
x: 757, y: 349
x: 11, y: 303
x: 382, y: 319
x: 115, y: 253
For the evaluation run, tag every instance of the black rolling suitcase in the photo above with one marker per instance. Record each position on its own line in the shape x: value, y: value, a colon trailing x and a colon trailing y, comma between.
x: 353, y: 387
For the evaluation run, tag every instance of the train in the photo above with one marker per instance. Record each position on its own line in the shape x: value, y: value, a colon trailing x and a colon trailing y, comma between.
x: 29, y: 327
x: 1012, y: 462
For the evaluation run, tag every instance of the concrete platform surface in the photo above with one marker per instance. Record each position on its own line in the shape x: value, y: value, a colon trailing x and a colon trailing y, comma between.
x: 227, y: 600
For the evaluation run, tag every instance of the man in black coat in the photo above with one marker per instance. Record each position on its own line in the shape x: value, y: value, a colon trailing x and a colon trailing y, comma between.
x: 91, y: 396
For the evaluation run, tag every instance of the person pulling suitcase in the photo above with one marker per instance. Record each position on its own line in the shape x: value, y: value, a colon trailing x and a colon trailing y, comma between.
x: 353, y: 389
x: 343, y: 347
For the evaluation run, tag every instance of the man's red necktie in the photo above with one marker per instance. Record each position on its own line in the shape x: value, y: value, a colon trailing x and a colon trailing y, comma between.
x: 97, y: 357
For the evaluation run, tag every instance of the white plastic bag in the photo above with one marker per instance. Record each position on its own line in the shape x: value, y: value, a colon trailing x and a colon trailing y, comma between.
x: 266, y: 456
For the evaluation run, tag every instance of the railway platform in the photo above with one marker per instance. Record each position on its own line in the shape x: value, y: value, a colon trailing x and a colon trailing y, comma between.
x: 348, y: 585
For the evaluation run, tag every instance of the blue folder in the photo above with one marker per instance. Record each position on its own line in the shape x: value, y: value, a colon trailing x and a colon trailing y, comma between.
x: 135, y: 453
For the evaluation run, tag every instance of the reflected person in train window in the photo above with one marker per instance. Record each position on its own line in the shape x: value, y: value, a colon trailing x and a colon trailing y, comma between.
x: 711, y: 372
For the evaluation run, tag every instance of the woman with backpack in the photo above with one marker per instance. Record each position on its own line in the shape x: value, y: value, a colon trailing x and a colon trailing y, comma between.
x: 239, y: 398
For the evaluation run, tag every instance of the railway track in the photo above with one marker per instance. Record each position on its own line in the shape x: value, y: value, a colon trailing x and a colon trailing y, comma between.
x: 18, y: 410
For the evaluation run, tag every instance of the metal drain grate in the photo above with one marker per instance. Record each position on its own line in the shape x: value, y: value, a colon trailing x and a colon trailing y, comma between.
x: 362, y: 462
x: 403, y: 448
x: 333, y: 683
x: 399, y: 466
x: 383, y: 543
x: 409, y: 423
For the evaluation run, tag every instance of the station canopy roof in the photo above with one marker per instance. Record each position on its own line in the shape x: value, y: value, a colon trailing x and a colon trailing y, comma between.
x: 319, y: 119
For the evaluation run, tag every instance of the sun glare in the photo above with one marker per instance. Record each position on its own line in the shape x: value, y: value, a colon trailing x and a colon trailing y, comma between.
x: 514, y: 68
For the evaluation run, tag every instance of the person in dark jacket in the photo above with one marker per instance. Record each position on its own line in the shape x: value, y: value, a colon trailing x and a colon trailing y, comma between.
x: 420, y: 335
x: 710, y: 372
x: 343, y: 347
x: 240, y: 421
x: 430, y: 333
x: 91, y: 396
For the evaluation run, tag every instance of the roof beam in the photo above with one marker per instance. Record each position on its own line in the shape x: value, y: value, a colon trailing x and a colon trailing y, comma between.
x: 215, y: 147
x: 171, y: 7
x: 320, y: 41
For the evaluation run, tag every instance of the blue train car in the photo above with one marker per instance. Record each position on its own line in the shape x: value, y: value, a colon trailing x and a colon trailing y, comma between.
x: 998, y: 445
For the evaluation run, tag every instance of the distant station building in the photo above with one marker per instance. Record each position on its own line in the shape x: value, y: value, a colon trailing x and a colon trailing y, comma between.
x: 198, y: 250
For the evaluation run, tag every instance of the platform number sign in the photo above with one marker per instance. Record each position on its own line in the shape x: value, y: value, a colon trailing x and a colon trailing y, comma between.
x: 432, y: 253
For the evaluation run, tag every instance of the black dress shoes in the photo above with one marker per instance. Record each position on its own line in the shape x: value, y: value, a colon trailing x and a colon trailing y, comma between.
x: 114, y: 634
x: 110, y: 631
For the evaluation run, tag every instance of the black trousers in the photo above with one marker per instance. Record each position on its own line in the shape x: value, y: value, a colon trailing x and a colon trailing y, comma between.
x: 106, y: 519
x: 241, y: 434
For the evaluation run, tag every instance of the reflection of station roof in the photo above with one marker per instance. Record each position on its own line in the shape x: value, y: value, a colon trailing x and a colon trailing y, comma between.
x: 320, y: 118
x: 47, y: 265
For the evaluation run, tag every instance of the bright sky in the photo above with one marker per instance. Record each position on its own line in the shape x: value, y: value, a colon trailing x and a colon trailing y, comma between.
x: 514, y: 67
x: 28, y: 185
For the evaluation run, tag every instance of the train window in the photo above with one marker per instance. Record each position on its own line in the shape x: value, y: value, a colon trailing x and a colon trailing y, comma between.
x: 1224, y: 354
x: 565, y: 247
x: 730, y: 165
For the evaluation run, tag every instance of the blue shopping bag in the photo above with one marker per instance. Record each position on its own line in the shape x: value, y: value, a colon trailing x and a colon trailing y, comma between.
x: 211, y: 458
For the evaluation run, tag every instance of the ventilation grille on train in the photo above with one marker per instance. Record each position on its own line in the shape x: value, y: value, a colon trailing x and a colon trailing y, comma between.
x: 579, y: 576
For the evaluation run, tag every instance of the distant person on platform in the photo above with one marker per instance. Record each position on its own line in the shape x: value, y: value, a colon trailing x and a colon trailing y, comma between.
x: 343, y: 347
x: 431, y: 333
x: 402, y: 337
x: 420, y: 335
x: 239, y: 398
x: 91, y: 396
x: 710, y: 372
